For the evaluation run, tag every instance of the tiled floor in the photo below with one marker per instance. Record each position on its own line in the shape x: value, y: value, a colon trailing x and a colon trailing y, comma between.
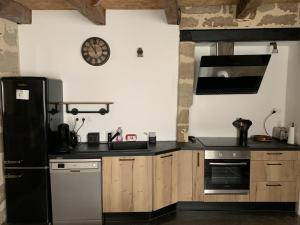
x: 221, y: 218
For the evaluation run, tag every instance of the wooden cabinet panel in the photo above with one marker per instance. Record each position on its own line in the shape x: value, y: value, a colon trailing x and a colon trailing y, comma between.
x: 273, y: 192
x: 184, y: 171
x: 274, y: 155
x: 273, y: 171
x: 226, y: 198
x: 165, y: 181
x: 198, y: 175
x: 127, y: 184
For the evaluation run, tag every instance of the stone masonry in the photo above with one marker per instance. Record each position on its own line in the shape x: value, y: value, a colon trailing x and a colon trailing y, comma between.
x: 185, y: 88
x: 275, y: 15
x: 9, y: 66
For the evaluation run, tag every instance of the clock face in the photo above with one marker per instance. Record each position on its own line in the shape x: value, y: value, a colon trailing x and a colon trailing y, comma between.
x: 95, y: 51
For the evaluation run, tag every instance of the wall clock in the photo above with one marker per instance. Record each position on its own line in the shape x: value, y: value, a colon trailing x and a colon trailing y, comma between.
x: 95, y: 51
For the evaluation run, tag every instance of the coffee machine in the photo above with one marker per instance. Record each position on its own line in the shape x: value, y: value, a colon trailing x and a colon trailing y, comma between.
x: 67, y: 139
x: 242, y: 126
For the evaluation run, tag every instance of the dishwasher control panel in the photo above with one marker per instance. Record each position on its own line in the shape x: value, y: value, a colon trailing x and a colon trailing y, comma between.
x: 74, y: 165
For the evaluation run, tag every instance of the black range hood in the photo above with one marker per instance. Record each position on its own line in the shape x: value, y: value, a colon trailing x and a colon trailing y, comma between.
x: 231, y: 74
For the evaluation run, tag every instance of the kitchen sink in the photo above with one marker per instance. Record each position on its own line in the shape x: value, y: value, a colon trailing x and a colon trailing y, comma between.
x: 128, y: 145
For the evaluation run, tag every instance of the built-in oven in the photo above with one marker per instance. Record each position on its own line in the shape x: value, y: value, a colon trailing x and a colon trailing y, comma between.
x: 227, y: 172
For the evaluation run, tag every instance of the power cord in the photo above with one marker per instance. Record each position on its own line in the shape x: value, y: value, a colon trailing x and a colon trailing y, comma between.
x: 265, y: 121
x: 83, y: 120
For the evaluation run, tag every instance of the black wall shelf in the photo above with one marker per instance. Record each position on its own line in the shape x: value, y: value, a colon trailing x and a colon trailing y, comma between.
x: 75, y: 111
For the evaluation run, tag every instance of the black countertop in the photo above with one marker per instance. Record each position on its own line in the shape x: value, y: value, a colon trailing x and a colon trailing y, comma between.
x: 85, y: 151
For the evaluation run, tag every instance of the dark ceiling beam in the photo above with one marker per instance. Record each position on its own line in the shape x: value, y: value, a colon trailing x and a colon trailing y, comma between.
x: 246, y: 8
x: 15, y: 12
x: 91, y: 9
x: 172, y: 11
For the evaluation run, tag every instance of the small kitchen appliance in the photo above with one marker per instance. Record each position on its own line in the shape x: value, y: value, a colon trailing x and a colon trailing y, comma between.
x: 67, y: 139
x: 93, y: 138
x: 243, y: 126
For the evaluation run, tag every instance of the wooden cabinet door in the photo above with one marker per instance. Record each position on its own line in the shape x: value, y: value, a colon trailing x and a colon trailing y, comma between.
x: 184, y: 173
x: 274, y: 155
x: 127, y: 184
x: 198, y: 175
x: 164, y: 180
x: 273, y: 192
x: 273, y: 171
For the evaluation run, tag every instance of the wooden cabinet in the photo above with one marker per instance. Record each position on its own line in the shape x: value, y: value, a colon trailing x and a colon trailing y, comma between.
x: 164, y: 180
x: 273, y: 192
x: 273, y: 170
x: 127, y: 184
x: 184, y: 173
x: 226, y: 198
x: 273, y: 176
x: 198, y: 175
x: 274, y: 155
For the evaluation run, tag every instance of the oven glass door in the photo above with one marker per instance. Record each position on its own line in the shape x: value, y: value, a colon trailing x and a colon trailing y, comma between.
x: 227, y: 176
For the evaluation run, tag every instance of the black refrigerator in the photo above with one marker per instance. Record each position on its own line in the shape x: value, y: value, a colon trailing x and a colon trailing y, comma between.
x: 30, y: 116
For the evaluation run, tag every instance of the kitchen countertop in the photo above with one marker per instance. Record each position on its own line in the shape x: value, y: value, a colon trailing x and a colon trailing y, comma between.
x: 84, y: 150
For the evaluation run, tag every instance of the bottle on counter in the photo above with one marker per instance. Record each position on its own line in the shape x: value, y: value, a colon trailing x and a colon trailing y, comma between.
x: 291, y: 137
x: 119, y: 138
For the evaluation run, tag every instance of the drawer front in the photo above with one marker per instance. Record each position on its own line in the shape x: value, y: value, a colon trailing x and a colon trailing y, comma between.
x: 273, y: 192
x: 226, y: 198
x: 273, y: 171
x: 274, y: 155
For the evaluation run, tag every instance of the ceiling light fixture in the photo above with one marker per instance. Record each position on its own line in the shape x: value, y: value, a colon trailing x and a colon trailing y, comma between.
x: 275, y: 48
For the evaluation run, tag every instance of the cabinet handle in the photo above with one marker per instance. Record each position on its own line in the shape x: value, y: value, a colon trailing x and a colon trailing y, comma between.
x: 273, y: 185
x: 9, y: 176
x: 126, y: 159
x: 166, y: 156
x: 13, y: 162
x: 198, y: 159
x: 274, y: 153
x: 274, y: 164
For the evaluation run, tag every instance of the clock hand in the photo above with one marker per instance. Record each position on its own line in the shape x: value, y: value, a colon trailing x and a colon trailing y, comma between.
x: 94, y: 48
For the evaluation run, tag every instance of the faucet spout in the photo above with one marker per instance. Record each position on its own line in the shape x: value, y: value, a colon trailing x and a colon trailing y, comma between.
x: 113, y: 137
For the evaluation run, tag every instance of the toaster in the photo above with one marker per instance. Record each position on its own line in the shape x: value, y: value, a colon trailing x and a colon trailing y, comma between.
x: 280, y: 133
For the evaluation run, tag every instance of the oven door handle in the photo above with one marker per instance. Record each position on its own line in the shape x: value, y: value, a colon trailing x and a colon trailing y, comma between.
x: 229, y: 164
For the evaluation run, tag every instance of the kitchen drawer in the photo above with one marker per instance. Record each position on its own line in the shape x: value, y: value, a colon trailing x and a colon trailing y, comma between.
x: 226, y: 198
x: 274, y: 155
x: 273, y: 171
x: 273, y: 192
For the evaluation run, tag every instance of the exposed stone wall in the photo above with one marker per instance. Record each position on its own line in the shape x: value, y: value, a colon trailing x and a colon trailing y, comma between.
x: 275, y: 15
x: 9, y: 66
x: 9, y: 57
x: 185, y: 88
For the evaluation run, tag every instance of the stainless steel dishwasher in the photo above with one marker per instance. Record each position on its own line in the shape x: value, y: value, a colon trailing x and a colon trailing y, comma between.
x: 76, y: 186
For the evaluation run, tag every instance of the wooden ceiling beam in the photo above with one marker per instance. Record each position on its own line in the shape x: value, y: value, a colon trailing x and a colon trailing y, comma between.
x: 15, y: 12
x: 246, y: 8
x: 133, y: 4
x: 91, y: 9
x: 172, y: 11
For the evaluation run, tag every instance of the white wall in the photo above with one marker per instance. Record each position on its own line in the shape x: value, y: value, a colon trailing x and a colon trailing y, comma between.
x: 144, y: 89
x: 293, y: 91
x: 213, y: 115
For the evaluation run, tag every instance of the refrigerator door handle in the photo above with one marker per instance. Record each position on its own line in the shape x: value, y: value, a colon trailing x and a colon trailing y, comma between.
x: 9, y: 176
x: 12, y: 162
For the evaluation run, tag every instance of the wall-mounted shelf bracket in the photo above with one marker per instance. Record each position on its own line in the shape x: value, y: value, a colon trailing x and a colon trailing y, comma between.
x: 75, y: 111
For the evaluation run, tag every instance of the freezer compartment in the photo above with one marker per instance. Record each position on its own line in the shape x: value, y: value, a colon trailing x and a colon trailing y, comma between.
x: 27, y: 195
